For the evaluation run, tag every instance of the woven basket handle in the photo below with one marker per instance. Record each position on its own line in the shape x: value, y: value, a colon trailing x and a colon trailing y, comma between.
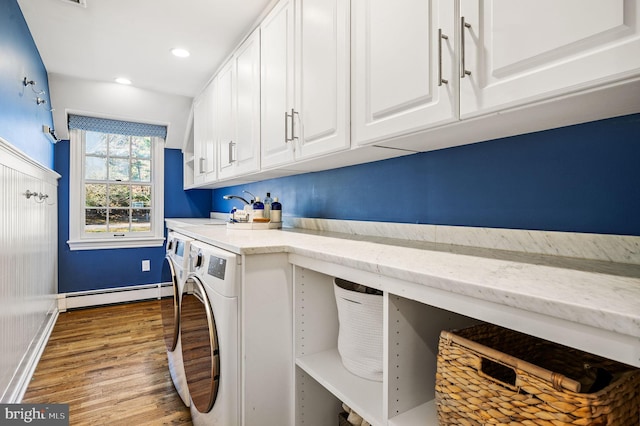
x: 558, y: 381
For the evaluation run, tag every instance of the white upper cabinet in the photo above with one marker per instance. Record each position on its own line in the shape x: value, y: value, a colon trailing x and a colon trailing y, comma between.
x: 404, y: 77
x: 204, y: 114
x: 522, y: 51
x: 276, y: 84
x: 225, y: 130
x: 351, y: 78
x: 305, y: 80
x: 239, y: 111
x: 247, y: 105
x: 321, y: 110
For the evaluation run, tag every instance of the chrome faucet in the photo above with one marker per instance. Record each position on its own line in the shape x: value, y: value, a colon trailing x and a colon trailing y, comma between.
x: 237, y: 197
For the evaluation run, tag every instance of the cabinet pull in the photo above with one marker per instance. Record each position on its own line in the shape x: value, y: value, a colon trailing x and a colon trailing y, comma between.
x: 232, y: 144
x: 440, y: 38
x: 286, y: 128
x: 201, y: 164
x: 463, y: 71
x: 293, y: 133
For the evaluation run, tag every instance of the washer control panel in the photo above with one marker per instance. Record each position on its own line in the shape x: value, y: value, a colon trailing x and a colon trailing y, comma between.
x: 217, y: 267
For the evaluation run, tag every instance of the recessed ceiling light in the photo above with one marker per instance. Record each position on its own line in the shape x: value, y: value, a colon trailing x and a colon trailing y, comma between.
x: 122, y: 80
x: 180, y: 53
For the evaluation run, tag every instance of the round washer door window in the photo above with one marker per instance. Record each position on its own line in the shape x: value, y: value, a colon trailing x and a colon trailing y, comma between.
x: 199, y: 341
x: 170, y: 306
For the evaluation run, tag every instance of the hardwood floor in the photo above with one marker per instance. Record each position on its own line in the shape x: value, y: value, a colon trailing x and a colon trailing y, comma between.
x: 110, y: 365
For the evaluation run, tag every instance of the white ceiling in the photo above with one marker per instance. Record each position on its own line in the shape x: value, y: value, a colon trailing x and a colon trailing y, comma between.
x: 133, y: 38
x: 85, y: 48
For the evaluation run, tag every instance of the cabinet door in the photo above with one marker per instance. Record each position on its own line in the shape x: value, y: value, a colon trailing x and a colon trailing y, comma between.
x: 322, y: 77
x: 225, y: 119
x: 396, y: 67
x: 203, y: 137
x: 198, y: 139
x: 276, y: 84
x: 247, y: 106
x: 519, y: 51
x: 210, y: 164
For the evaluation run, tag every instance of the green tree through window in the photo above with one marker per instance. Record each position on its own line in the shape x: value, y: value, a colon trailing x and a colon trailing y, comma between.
x: 118, y: 184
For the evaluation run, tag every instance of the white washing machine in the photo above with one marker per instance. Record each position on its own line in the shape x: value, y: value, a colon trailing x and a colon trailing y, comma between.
x: 209, y: 330
x: 175, y: 270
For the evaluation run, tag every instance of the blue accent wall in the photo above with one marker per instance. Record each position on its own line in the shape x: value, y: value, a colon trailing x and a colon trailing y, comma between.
x: 21, y: 119
x: 83, y: 270
x: 582, y: 178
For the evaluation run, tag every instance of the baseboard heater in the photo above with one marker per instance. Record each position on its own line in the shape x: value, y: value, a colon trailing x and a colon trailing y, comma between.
x: 109, y: 296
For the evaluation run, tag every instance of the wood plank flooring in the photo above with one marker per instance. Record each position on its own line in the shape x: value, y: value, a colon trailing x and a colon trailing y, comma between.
x: 110, y: 365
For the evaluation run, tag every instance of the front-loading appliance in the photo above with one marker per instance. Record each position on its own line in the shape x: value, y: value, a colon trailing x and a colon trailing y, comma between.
x: 175, y: 270
x: 209, y: 330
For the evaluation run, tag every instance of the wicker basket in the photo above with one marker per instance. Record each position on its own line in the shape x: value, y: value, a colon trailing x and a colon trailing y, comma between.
x: 488, y: 375
x: 342, y: 419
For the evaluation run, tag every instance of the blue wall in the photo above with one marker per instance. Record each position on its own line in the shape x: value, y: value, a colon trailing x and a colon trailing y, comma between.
x: 583, y: 178
x: 99, y: 269
x: 21, y: 119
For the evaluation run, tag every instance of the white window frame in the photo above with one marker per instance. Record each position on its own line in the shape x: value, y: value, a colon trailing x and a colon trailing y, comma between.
x: 78, y: 240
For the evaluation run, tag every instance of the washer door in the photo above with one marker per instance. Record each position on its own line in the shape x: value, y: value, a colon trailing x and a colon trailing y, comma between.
x: 199, y: 339
x: 170, y: 306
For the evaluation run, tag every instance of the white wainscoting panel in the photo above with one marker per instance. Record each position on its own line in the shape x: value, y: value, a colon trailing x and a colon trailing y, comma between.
x: 28, y: 266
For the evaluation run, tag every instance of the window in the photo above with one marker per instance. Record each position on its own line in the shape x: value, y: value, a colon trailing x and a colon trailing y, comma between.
x: 116, y: 184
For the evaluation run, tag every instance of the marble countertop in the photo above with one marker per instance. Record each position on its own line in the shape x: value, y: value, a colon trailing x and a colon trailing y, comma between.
x: 601, y: 294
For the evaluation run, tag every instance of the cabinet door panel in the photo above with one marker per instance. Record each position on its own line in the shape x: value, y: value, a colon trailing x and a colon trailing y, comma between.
x: 203, y: 136
x: 211, y: 143
x: 247, y: 106
x: 395, y: 62
x: 519, y: 52
x: 322, y: 76
x: 276, y: 82
x: 199, y: 117
x: 226, y: 128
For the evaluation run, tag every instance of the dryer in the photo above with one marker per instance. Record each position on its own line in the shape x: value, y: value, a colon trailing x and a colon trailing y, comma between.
x: 209, y: 330
x: 176, y: 267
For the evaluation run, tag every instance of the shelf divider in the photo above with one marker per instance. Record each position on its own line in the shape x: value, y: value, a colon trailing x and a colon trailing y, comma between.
x: 362, y: 395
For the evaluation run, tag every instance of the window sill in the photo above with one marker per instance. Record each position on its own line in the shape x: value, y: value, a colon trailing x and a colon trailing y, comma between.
x: 101, y: 244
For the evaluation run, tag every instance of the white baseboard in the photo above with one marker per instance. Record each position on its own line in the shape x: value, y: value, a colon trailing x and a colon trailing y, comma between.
x: 85, y: 299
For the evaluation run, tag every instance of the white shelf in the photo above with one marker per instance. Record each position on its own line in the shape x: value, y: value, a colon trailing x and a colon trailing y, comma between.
x: 425, y: 414
x: 363, y: 396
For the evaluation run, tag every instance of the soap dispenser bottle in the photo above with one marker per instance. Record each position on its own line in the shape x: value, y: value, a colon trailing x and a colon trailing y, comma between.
x: 258, y: 208
x: 276, y: 211
x: 267, y: 205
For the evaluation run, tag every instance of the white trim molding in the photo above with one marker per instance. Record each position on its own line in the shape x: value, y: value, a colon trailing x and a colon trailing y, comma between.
x: 78, y: 240
x: 108, y: 296
x: 100, y: 244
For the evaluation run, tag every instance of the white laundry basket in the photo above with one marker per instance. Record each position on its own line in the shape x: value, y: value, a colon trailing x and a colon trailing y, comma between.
x: 360, y: 330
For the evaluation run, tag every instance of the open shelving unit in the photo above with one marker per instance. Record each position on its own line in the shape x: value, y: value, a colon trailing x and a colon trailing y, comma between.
x: 410, y: 344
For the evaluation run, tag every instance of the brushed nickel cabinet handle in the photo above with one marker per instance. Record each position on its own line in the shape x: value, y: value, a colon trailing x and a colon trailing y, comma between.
x: 231, y: 145
x: 463, y: 71
x: 440, y: 38
x: 286, y: 127
x: 293, y: 133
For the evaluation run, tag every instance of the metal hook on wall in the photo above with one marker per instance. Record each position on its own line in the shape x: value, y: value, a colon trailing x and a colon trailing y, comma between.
x: 38, y: 197
x: 32, y: 83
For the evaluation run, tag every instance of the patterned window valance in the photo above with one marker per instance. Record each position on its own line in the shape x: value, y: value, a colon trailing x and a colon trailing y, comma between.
x: 116, y: 127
